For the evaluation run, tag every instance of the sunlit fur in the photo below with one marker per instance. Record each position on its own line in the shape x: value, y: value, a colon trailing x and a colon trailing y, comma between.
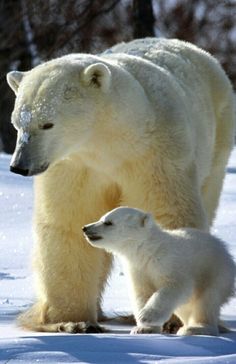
x: 152, y: 129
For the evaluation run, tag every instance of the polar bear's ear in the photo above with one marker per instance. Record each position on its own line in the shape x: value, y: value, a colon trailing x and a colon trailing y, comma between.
x: 14, y: 78
x: 97, y: 75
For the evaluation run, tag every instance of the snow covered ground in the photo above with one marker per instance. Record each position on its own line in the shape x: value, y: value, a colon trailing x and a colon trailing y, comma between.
x: 16, y: 293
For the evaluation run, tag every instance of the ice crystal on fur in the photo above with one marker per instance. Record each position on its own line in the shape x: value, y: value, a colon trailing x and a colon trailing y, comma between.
x: 25, y: 117
x: 24, y: 138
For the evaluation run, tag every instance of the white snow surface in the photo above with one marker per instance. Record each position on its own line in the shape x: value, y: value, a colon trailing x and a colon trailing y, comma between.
x: 117, y: 347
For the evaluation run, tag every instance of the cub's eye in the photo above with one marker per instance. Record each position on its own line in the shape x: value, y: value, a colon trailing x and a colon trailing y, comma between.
x: 47, y: 126
x: 108, y: 223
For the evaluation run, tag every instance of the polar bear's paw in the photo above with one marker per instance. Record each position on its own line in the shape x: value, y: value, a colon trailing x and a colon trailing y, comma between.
x: 145, y: 330
x: 80, y: 328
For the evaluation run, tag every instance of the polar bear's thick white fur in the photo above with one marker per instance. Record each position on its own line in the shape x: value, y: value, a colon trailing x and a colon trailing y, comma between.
x: 148, y: 124
x: 186, y: 271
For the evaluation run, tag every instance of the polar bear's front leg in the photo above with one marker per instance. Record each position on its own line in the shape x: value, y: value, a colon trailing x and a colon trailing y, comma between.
x: 70, y: 274
x: 68, y: 286
x: 162, y: 304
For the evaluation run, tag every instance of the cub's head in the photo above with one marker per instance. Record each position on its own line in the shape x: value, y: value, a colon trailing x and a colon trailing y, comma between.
x: 118, y: 228
x: 57, y: 107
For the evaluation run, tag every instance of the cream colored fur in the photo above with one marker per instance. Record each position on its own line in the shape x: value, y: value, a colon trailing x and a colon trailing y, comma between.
x: 186, y: 271
x: 148, y: 124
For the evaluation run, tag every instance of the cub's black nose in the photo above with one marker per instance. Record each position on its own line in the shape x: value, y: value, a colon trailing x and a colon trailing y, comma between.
x: 18, y: 170
x: 84, y: 229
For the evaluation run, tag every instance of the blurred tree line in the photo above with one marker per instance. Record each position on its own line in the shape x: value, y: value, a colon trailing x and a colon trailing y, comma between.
x: 35, y: 31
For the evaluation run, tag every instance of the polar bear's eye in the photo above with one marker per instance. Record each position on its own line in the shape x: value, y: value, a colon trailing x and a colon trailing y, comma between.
x: 47, y: 126
x: 108, y: 223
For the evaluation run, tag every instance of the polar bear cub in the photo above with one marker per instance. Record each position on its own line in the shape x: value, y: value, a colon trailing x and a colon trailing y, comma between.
x: 186, y: 271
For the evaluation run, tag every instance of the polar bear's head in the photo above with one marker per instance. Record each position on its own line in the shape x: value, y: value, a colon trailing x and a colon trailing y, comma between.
x: 119, y: 228
x: 58, y: 105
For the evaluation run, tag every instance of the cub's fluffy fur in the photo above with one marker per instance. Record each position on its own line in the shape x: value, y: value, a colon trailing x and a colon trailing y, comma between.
x: 185, y: 271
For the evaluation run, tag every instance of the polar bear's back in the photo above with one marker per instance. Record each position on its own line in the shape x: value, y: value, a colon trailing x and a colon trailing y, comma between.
x: 161, y: 50
x: 177, y: 57
x: 137, y: 47
x: 186, y: 86
x: 146, y: 46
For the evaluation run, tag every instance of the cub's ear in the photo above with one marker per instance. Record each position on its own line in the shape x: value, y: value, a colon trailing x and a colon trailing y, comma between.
x: 97, y: 75
x: 14, y: 79
x: 146, y: 220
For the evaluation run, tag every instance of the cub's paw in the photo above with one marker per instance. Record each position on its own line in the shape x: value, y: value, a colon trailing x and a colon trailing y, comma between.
x: 80, y: 328
x: 148, y: 317
x: 145, y: 330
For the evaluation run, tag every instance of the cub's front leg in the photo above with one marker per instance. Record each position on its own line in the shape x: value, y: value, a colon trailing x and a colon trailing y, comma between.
x: 162, y: 304
x: 141, y: 291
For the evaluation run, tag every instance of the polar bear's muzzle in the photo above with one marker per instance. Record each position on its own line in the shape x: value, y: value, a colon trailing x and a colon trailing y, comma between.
x: 19, y: 170
x: 94, y: 237
x: 90, y: 234
x: 25, y: 162
x: 27, y: 170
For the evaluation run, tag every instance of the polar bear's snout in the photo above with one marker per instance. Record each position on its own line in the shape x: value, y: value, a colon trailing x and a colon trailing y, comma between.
x: 90, y: 233
x: 19, y: 170
x: 22, y: 163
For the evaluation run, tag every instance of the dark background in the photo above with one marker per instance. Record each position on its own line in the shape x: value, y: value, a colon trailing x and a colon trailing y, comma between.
x: 35, y: 31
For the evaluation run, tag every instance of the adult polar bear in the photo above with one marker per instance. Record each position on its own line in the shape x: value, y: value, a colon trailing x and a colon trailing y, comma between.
x: 148, y: 124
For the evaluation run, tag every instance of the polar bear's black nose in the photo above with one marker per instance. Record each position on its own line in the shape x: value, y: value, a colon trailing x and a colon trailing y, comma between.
x: 17, y: 170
